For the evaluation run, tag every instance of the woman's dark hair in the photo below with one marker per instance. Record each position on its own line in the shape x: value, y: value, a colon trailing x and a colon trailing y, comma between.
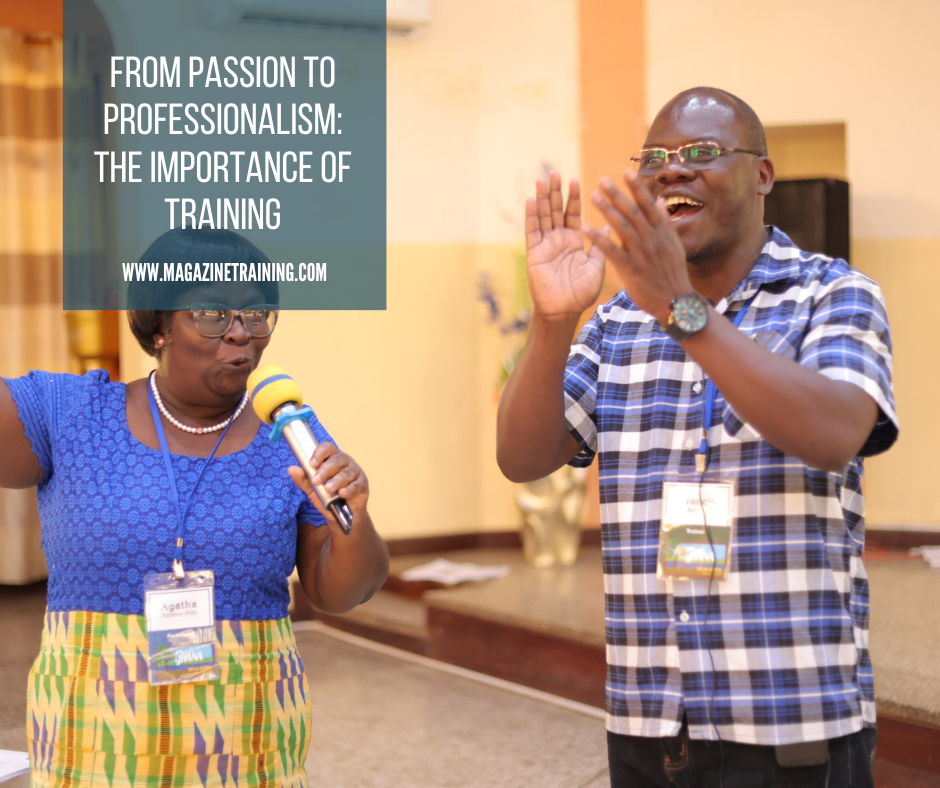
x: 149, y: 303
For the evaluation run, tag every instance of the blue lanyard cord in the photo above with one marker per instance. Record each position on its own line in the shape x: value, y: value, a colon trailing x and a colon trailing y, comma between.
x: 710, y: 393
x: 181, y: 513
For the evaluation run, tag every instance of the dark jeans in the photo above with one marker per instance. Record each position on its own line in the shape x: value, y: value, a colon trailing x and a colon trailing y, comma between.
x: 680, y: 762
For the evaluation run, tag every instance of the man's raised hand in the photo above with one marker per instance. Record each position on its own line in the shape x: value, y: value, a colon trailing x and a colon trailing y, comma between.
x: 649, y: 259
x: 564, y: 279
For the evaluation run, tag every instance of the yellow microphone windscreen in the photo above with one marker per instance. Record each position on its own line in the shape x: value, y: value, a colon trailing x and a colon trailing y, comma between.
x: 269, y: 387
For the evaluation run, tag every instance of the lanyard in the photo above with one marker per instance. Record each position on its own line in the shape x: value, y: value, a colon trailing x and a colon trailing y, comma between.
x: 710, y: 393
x: 180, y: 512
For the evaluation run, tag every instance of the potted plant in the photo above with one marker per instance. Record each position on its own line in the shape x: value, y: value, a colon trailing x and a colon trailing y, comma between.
x: 551, y: 507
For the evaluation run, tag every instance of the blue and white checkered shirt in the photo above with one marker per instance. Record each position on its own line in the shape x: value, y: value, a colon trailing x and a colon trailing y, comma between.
x: 782, y: 655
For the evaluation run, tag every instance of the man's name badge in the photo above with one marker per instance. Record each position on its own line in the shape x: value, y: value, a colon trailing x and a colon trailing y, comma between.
x: 180, y: 616
x: 695, y: 536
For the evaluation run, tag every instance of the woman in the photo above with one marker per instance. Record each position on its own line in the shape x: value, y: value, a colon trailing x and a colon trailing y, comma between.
x: 134, y: 482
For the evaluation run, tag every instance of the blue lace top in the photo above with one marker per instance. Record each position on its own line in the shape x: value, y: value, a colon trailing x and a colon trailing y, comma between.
x: 108, y: 516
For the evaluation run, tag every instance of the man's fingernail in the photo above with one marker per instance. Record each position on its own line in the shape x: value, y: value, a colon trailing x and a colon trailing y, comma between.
x: 606, y: 182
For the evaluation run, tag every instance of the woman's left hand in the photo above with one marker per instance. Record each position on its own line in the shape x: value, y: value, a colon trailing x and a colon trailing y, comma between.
x: 340, y: 474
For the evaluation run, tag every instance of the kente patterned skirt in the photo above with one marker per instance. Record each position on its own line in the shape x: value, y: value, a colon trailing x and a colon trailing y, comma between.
x: 94, y: 720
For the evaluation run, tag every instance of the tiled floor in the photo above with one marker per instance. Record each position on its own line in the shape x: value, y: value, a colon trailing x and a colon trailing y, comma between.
x: 380, y: 721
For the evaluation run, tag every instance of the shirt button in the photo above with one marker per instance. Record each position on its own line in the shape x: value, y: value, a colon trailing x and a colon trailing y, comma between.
x: 690, y: 443
x: 684, y: 617
x: 697, y: 388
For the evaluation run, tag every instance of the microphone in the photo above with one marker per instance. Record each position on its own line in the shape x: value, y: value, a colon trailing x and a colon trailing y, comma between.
x: 277, y: 400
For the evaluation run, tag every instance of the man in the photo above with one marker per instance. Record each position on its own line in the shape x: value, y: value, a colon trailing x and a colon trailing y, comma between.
x: 736, y: 601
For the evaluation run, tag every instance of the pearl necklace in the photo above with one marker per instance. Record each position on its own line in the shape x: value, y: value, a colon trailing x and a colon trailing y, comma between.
x: 194, y: 430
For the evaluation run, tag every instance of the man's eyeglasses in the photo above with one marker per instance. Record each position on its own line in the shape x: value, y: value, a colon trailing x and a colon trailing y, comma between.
x: 214, y: 320
x: 695, y: 155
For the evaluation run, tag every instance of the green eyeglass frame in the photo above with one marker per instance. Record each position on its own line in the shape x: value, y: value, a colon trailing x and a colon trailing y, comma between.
x: 694, y: 155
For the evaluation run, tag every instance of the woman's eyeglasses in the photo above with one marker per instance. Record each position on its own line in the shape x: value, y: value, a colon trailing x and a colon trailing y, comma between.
x: 214, y: 320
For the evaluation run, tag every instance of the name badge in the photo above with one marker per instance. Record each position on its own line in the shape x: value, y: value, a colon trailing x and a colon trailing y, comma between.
x: 180, y: 615
x: 696, y: 529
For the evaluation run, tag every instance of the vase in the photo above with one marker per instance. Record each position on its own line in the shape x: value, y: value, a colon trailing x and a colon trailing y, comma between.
x: 551, y: 510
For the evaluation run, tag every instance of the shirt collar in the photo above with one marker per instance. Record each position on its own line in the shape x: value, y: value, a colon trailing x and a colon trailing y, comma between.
x: 778, y: 260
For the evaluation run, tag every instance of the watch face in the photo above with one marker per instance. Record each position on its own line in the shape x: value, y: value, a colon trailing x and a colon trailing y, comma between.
x: 689, y: 313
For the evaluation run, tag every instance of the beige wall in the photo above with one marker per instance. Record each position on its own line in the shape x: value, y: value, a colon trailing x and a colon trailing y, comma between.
x: 870, y: 65
x: 476, y: 104
x: 473, y: 112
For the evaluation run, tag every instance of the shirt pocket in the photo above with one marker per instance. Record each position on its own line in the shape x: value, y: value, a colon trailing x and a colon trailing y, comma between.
x: 785, y: 343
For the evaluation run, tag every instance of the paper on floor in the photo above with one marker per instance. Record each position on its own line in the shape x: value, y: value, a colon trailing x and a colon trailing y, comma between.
x: 931, y: 554
x: 13, y: 764
x: 451, y: 573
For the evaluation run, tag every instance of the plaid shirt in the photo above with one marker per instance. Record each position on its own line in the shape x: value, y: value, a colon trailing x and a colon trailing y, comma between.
x: 782, y: 654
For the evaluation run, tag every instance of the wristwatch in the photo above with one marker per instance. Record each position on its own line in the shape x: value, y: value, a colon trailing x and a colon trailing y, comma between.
x: 687, y: 316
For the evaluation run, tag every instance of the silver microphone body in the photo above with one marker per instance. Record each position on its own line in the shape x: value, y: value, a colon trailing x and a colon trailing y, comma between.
x: 300, y: 438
